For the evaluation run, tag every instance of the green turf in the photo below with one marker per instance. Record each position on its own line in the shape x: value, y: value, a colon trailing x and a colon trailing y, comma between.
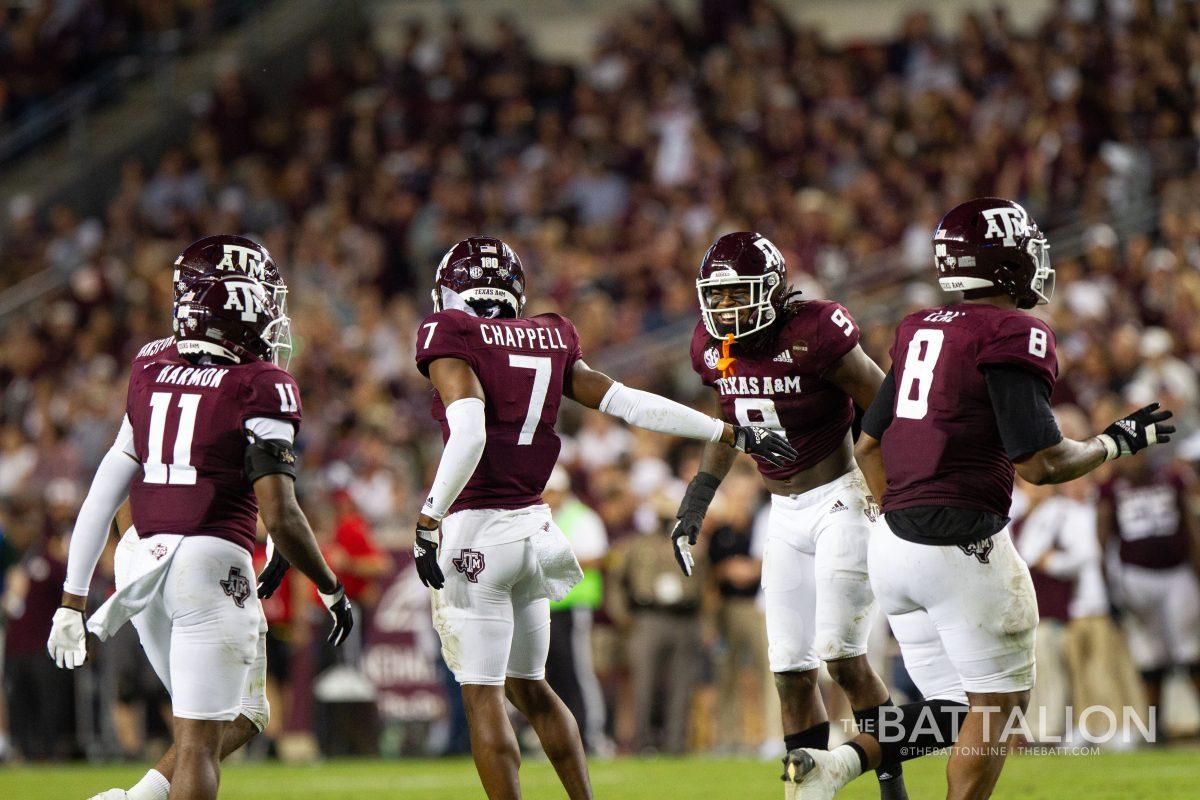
x: 1148, y: 775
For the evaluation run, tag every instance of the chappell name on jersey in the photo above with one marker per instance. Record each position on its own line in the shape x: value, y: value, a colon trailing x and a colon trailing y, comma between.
x: 536, y: 338
x: 192, y: 376
x: 756, y: 385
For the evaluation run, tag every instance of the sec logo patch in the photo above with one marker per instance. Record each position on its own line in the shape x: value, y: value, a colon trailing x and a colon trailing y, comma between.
x: 711, y: 357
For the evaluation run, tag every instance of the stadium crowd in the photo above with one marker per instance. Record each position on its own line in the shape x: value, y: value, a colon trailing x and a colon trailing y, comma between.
x: 609, y: 178
x: 48, y: 48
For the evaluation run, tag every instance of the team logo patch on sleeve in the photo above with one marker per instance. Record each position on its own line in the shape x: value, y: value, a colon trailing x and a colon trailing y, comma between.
x: 237, y: 586
x: 469, y: 563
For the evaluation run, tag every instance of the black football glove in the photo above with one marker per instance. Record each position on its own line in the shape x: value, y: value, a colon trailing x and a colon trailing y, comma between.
x: 1137, y: 431
x: 690, y: 517
x: 764, y: 444
x: 425, y: 548
x: 272, y: 575
x: 343, y: 617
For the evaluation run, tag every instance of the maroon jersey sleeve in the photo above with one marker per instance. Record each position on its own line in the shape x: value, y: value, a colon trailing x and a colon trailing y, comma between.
x: 705, y: 353
x: 830, y: 332
x: 446, y: 335
x: 273, y: 393
x: 1022, y: 341
x: 571, y: 335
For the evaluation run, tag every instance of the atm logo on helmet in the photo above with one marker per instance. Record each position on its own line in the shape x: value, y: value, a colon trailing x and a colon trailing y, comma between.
x: 245, y: 297
x: 1006, y: 223
x: 246, y: 260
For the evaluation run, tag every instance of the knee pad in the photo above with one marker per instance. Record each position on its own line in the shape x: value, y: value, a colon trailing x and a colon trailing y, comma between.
x: 257, y: 709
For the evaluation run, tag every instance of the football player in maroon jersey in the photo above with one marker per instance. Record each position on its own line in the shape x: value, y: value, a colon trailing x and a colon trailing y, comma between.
x: 1145, y: 515
x: 499, y: 379
x: 237, y: 255
x: 966, y: 403
x: 205, y: 447
x: 796, y: 367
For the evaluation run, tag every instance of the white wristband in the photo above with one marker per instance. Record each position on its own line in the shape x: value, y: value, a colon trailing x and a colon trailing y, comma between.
x: 1110, y: 445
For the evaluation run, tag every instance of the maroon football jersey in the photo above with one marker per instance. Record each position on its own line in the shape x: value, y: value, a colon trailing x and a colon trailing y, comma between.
x: 1149, y: 519
x: 523, y: 365
x: 781, y: 388
x: 943, y: 447
x: 189, y: 435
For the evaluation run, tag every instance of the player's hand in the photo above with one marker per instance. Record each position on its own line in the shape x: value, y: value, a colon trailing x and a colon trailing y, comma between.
x: 1137, y: 431
x: 272, y: 574
x: 343, y: 616
x: 690, y: 517
x: 764, y: 444
x: 425, y: 548
x: 67, y: 644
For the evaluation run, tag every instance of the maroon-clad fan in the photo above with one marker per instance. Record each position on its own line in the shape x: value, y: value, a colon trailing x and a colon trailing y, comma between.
x: 1145, y: 515
x: 206, y: 446
x: 499, y: 379
x: 795, y: 366
x: 965, y: 405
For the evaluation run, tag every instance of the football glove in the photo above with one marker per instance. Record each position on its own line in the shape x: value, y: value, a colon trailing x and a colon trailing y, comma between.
x: 343, y: 616
x: 764, y: 444
x: 1137, y: 431
x: 425, y: 548
x: 272, y: 574
x: 690, y: 518
x: 67, y: 644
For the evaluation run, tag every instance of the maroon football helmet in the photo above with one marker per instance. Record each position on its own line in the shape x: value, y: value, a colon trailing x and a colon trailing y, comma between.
x: 231, y: 316
x: 741, y: 259
x: 482, y: 275
x: 990, y: 243
x: 229, y: 253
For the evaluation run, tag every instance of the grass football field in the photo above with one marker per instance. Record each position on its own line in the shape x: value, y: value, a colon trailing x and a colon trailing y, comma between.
x: 1148, y: 775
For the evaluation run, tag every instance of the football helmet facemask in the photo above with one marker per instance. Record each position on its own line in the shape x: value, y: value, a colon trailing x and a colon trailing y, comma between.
x: 747, y: 269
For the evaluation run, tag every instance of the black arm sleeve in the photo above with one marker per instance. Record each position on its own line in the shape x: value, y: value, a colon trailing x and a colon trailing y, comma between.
x: 1021, y: 403
x: 879, y: 415
x: 268, y: 457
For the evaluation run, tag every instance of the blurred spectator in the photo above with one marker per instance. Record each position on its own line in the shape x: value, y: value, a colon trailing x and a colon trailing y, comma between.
x: 569, y: 668
x: 1146, y: 515
x: 736, y: 560
x: 40, y: 696
x: 660, y: 610
x: 354, y: 554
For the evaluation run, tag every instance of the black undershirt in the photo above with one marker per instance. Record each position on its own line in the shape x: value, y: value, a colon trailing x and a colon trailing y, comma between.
x: 1021, y: 402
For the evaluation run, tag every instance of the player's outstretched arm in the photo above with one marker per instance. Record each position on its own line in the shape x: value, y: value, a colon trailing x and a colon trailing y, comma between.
x: 67, y: 643
x: 293, y: 537
x: 462, y: 395
x: 1070, y: 459
x: 655, y: 413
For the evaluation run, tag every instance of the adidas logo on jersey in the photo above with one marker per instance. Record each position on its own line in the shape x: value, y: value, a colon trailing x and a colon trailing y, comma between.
x: 785, y: 357
x: 838, y: 506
